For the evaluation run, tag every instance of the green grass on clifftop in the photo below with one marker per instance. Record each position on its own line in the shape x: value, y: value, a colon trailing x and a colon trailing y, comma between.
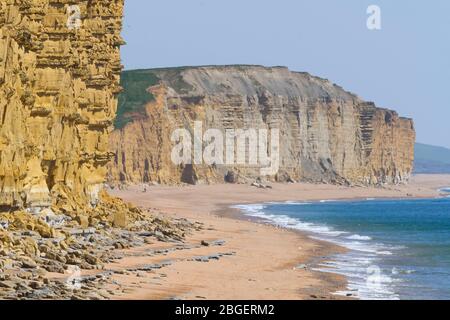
x: 134, y: 96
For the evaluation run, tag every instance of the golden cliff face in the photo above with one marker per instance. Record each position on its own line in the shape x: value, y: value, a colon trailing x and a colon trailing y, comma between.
x: 326, y: 133
x: 58, y: 81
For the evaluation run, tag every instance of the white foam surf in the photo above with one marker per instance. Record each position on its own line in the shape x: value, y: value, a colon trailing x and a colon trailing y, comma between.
x: 358, y: 237
x: 445, y: 190
x: 365, y: 279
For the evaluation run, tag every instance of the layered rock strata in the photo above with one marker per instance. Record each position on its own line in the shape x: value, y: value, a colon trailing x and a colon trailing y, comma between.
x: 59, y: 74
x: 326, y: 134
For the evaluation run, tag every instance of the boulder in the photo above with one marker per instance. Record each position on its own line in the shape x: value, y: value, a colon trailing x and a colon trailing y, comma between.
x: 120, y: 219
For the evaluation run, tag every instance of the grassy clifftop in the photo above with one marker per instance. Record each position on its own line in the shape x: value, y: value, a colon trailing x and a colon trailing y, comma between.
x: 134, y: 95
x: 243, y: 79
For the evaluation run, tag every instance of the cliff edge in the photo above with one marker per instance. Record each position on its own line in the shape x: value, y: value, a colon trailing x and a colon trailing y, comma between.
x: 59, y: 79
x: 326, y: 134
x: 59, y: 76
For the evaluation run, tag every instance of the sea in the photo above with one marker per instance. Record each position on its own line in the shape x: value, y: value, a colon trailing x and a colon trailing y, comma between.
x: 398, y: 249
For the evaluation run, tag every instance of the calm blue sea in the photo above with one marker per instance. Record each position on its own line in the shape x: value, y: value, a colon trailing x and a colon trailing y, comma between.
x: 399, y: 249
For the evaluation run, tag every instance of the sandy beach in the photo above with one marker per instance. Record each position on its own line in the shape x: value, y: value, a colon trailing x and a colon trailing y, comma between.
x: 232, y: 257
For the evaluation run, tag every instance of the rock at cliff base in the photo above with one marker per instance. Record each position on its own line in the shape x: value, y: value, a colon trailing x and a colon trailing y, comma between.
x: 120, y: 219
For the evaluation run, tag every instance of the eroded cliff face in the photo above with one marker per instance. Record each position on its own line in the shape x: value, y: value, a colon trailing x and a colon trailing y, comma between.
x: 57, y: 101
x: 58, y: 82
x: 326, y: 133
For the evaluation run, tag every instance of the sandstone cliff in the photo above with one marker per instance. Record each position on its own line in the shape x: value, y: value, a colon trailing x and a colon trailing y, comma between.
x: 326, y: 133
x: 57, y: 100
x: 59, y: 76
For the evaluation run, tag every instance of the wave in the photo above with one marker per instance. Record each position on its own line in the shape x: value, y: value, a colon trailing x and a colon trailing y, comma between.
x: 296, y: 203
x: 251, y: 208
x: 257, y: 211
x: 358, y: 237
x: 444, y: 190
x: 357, y: 265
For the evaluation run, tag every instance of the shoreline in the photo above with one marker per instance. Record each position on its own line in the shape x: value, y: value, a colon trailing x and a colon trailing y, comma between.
x: 265, y: 257
x: 327, y: 249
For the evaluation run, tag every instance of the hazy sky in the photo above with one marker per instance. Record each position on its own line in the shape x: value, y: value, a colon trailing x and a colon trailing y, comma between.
x: 404, y: 66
